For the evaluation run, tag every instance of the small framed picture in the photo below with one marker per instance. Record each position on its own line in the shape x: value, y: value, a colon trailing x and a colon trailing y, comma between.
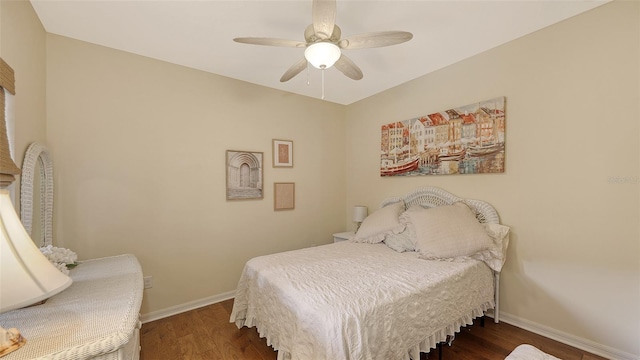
x: 244, y: 175
x: 284, y: 196
x: 282, y: 153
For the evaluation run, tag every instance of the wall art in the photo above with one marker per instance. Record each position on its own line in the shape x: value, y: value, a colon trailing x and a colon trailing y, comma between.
x: 468, y: 139
x: 284, y: 195
x: 244, y: 175
x: 282, y: 153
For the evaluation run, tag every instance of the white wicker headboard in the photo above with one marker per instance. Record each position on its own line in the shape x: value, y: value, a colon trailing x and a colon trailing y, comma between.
x: 429, y: 197
x: 432, y: 196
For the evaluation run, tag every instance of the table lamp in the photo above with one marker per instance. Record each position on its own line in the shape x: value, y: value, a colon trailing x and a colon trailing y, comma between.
x: 26, y: 275
x: 359, y: 214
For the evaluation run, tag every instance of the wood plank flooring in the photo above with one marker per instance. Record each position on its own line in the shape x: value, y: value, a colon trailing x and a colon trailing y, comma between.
x: 207, y: 334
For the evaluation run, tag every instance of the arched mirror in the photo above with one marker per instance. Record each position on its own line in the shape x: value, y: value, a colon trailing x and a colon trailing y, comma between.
x: 36, y: 194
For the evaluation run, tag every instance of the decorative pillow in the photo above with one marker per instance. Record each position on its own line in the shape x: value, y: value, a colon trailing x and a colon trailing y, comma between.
x: 410, y: 230
x: 400, y: 242
x: 381, y: 223
x: 496, y: 255
x: 446, y: 231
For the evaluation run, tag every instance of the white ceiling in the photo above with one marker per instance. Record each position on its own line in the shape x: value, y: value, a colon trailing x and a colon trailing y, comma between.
x: 198, y: 34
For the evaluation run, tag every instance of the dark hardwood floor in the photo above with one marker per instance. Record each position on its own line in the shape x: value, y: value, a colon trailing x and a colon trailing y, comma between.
x: 207, y: 334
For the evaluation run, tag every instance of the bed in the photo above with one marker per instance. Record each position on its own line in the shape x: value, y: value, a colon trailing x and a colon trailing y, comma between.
x: 417, y: 270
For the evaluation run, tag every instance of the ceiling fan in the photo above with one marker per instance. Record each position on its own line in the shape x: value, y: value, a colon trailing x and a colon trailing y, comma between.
x: 323, y: 43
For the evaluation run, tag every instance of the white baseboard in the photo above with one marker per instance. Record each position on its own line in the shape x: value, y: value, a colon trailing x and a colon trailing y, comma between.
x: 175, y: 310
x: 571, y: 340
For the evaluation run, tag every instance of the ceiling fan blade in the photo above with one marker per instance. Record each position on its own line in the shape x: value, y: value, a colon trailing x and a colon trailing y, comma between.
x: 349, y: 68
x: 270, y: 42
x: 375, y: 39
x: 294, y: 70
x: 324, y: 17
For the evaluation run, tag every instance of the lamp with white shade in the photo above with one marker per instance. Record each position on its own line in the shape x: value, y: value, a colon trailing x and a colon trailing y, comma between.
x: 359, y: 214
x: 26, y: 275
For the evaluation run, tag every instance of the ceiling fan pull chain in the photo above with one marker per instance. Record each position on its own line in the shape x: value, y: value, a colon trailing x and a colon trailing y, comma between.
x: 308, y: 75
x: 322, y: 71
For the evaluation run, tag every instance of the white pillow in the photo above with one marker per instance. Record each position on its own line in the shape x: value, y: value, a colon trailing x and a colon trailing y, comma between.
x: 381, y: 223
x: 400, y: 242
x: 448, y: 231
x: 496, y: 255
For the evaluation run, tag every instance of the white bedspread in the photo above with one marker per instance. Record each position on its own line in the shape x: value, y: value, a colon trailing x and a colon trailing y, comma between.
x: 358, y: 301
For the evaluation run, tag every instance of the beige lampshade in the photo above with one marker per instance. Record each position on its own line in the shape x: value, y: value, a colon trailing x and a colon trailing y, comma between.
x: 359, y: 213
x: 26, y: 275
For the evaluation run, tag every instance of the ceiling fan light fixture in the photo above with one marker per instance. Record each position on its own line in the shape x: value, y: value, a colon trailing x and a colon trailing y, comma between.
x: 322, y: 55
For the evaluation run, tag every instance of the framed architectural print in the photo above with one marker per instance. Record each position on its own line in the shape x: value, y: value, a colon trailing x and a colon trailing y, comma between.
x: 282, y: 153
x: 244, y: 175
x: 284, y: 195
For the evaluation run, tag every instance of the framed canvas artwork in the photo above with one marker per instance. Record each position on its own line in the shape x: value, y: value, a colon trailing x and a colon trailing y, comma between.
x: 467, y: 139
x: 244, y: 175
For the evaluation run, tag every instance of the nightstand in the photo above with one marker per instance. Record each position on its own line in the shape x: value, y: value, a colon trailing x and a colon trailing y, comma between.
x: 337, y: 237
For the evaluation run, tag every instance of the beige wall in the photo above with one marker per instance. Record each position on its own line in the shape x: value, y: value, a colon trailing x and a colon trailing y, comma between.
x: 139, y: 147
x: 570, y: 190
x: 22, y: 40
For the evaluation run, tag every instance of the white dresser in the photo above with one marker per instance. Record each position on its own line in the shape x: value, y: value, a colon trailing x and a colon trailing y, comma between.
x: 97, y: 317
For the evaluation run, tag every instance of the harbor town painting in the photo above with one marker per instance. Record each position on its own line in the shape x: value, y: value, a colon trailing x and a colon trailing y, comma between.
x: 465, y: 140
